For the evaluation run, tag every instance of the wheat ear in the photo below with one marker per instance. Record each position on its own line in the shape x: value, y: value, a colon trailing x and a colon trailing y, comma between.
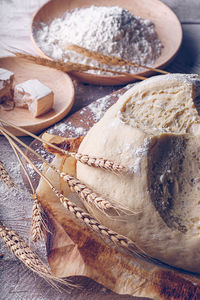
x: 108, y: 59
x: 55, y: 64
x: 75, y: 185
x: 69, y: 66
x: 23, y: 252
x: 20, y: 249
x: 37, y: 219
x: 99, y: 162
x: 82, y: 190
x: 87, y: 219
x: 37, y: 211
x: 96, y: 162
x: 5, y: 176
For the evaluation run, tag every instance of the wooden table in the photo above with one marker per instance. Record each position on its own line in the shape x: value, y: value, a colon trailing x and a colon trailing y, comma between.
x: 16, y: 281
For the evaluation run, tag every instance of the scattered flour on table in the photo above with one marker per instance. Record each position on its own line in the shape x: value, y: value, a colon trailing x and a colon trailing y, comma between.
x: 96, y: 110
x: 110, y: 30
x: 62, y: 128
x: 99, y: 107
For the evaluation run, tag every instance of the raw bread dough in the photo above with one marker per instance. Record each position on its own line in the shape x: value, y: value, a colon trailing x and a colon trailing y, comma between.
x: 153, y: 130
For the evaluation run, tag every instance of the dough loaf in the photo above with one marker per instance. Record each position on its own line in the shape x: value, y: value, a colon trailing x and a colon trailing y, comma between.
x: 154, y: 131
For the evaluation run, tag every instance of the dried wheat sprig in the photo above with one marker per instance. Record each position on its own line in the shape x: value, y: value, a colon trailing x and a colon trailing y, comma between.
x: 97, y: 162
x: 104, y: 231
x: 108, y: 59
x: 24, y: 253
x: 69, y: 66
x: 5, y: 176
x: 84, y: 192
x: 37, y: 211
x: 88, y: 195
x: 56, y: 64
x: 87, y: 219
x: 37, y: 219
x: 20, y: 249
x: 75, y: 185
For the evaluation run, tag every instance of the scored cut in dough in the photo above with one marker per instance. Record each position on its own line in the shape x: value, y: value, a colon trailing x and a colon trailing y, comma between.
x: 167, y: 106
x: 153, y: 130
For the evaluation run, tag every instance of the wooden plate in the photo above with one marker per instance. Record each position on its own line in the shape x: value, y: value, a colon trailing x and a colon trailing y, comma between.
x: 164, y: 19
x: 59, y: 82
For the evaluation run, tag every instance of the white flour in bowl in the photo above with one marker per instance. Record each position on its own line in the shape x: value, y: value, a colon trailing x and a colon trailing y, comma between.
x: 109, y: 30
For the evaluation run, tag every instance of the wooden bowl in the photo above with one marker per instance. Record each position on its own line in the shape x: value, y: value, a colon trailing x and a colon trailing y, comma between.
x: 59, y: 82
x: 163, y: 17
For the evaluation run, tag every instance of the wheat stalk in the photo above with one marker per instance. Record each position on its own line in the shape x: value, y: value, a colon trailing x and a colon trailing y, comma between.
x: 86, y: 218
x: 75, y: 185
x: 37, y: 211
x: 56, y: 64
x: 97, y: 162
x: 24, y: 253
x: 37, y: 219
x: 17, y: 245
x: 5, y: 176
x: 83, y: 191
x: 69, y: 66
x: 108, y: 59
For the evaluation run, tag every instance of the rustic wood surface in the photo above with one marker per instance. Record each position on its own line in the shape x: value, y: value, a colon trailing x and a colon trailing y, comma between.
x: 16, y: 282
